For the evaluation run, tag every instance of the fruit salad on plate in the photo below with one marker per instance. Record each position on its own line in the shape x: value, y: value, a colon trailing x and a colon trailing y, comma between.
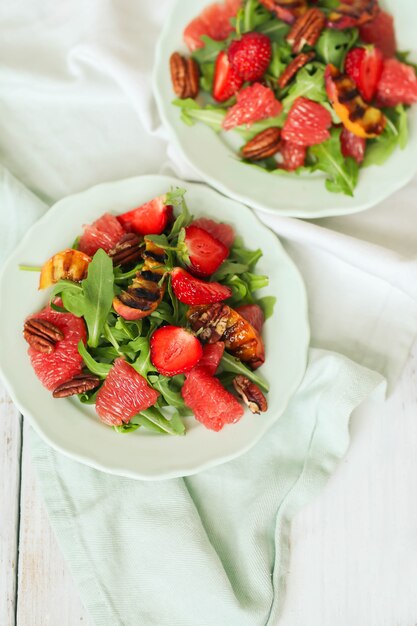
x: 153, y: 316
x: 308, y: 85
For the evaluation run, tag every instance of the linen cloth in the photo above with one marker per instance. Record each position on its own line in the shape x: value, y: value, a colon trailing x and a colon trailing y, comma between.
x: 76, y: 109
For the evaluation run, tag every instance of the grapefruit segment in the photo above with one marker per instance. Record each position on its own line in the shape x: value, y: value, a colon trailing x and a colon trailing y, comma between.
x: 103, y: 233
x: 254, y: 103
x: 213, y: 21
x: 124, y: 394
x: 65, y: 361
x: 210, y: 402
x: 219, y: 230
x: 212, y: 355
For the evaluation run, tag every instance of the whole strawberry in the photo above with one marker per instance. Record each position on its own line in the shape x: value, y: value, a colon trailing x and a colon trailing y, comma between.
x: 250, y: 55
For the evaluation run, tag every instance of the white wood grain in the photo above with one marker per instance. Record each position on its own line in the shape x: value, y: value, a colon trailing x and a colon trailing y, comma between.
x: 10, y: 424
x: 47, y: 595
x: 354, y: 549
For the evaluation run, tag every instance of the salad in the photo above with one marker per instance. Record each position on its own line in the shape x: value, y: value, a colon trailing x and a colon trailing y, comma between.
x: 153, y: 316
x: 302, y: 85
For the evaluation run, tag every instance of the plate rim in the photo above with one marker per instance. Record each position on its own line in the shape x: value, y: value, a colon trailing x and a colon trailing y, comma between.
x: 229, y: 191
x: 25, y: 410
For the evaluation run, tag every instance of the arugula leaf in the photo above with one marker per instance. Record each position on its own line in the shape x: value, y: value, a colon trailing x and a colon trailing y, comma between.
x: 251, y: 16
x: 192, y: 112
x: 275, y: 29
x: 92, y: 299
x: 267, y: 304
x: 126, y: 428
x: 309, y: 83
x: 342, y: 173
x: 230, y: 364
x: 333, y: 45
x: 163, y: 384
x: 241, y: 254
x: 281, y: 56
x: 99, y: 369
x: 153, y: 415
x: 229, y: 267
x: 177, y: 200
x: 207, y: 76
x: 210, y: 51
x: 328, y: 4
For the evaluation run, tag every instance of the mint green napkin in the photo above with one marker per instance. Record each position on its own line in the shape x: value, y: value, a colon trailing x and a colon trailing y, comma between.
x: 211, y: 549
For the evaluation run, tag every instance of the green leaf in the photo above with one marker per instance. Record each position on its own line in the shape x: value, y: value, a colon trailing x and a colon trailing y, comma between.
x: 210, y: 51
x: 143, y: 363
x: 342, y: 173
x: 207, y: 76
x: 98, y: 292
x: 333, y: 45
x: 163, y: 384
x: 229, y: 267
x: 156, y: 418
x: 281, y: 56
x: 192, y: 112
x: 244, y: 255
x: 177, y: 200
x: 255, y: 281
x: 230, y: 364
x: 251, y: 16
x: 257, y: 127
x: 99, y: 369
x: 275, y: 29
x: 126, y: 428
x: 309, y: 83
x: 267, y: 304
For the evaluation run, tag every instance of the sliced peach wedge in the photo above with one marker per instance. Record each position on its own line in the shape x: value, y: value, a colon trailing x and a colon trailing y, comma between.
x: 359, y: 118
x: 68, y: 264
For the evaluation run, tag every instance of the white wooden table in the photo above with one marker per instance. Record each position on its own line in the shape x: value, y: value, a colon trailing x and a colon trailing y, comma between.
x: 354, y: 549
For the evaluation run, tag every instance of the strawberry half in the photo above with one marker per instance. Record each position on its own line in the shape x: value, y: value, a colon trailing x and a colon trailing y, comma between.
x: 174, y: 350
x: 191, y: 290
x: 364, y: 66
x: 226, y: 81
x: 250, y: 55
x: 150, y: 218
x: 201, y: 252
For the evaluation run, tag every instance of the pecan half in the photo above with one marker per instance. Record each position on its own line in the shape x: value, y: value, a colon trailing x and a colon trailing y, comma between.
x: 185, y: 75
x: 78, y: 384
x: 296, y: 64
x: 306, y: 30
x: 263, y: 145
x: 210, y: 322
x: 250, y: 393
x: 41, y: 335
x: 127, y: 251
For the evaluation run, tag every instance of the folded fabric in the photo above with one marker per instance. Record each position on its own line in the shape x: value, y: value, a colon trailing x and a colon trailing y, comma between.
x: 211, y: 549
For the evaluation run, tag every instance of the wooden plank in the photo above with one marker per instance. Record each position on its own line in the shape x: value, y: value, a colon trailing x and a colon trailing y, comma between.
x: 46, y: 594
x: 353, y: 550
x: 10, y: 451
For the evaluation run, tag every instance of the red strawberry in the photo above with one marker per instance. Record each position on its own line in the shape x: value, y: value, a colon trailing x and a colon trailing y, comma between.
x: 250, y: 55
x: 226, y: 81
x: 253, y: 314
x: 364, y: 66
x: 192, y: 291
x: 398, y: 84
x: 124, y: 393
x: 293, y: 155
x: 203, y: 253
x: 211, y: 403
x: 174, y: 350
x: 149, y: 219
x: 380, y: 31
x: 254, y: 103
x: 306, y: 123
x: 221, y: 231
x: 212, y: 355
x: 352, y: 145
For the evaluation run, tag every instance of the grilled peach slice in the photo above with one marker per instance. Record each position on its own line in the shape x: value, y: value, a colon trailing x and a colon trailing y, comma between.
x: 358, y: 117
x: 219, y: 322
x: 144, y: 294
x: 68, y: 264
